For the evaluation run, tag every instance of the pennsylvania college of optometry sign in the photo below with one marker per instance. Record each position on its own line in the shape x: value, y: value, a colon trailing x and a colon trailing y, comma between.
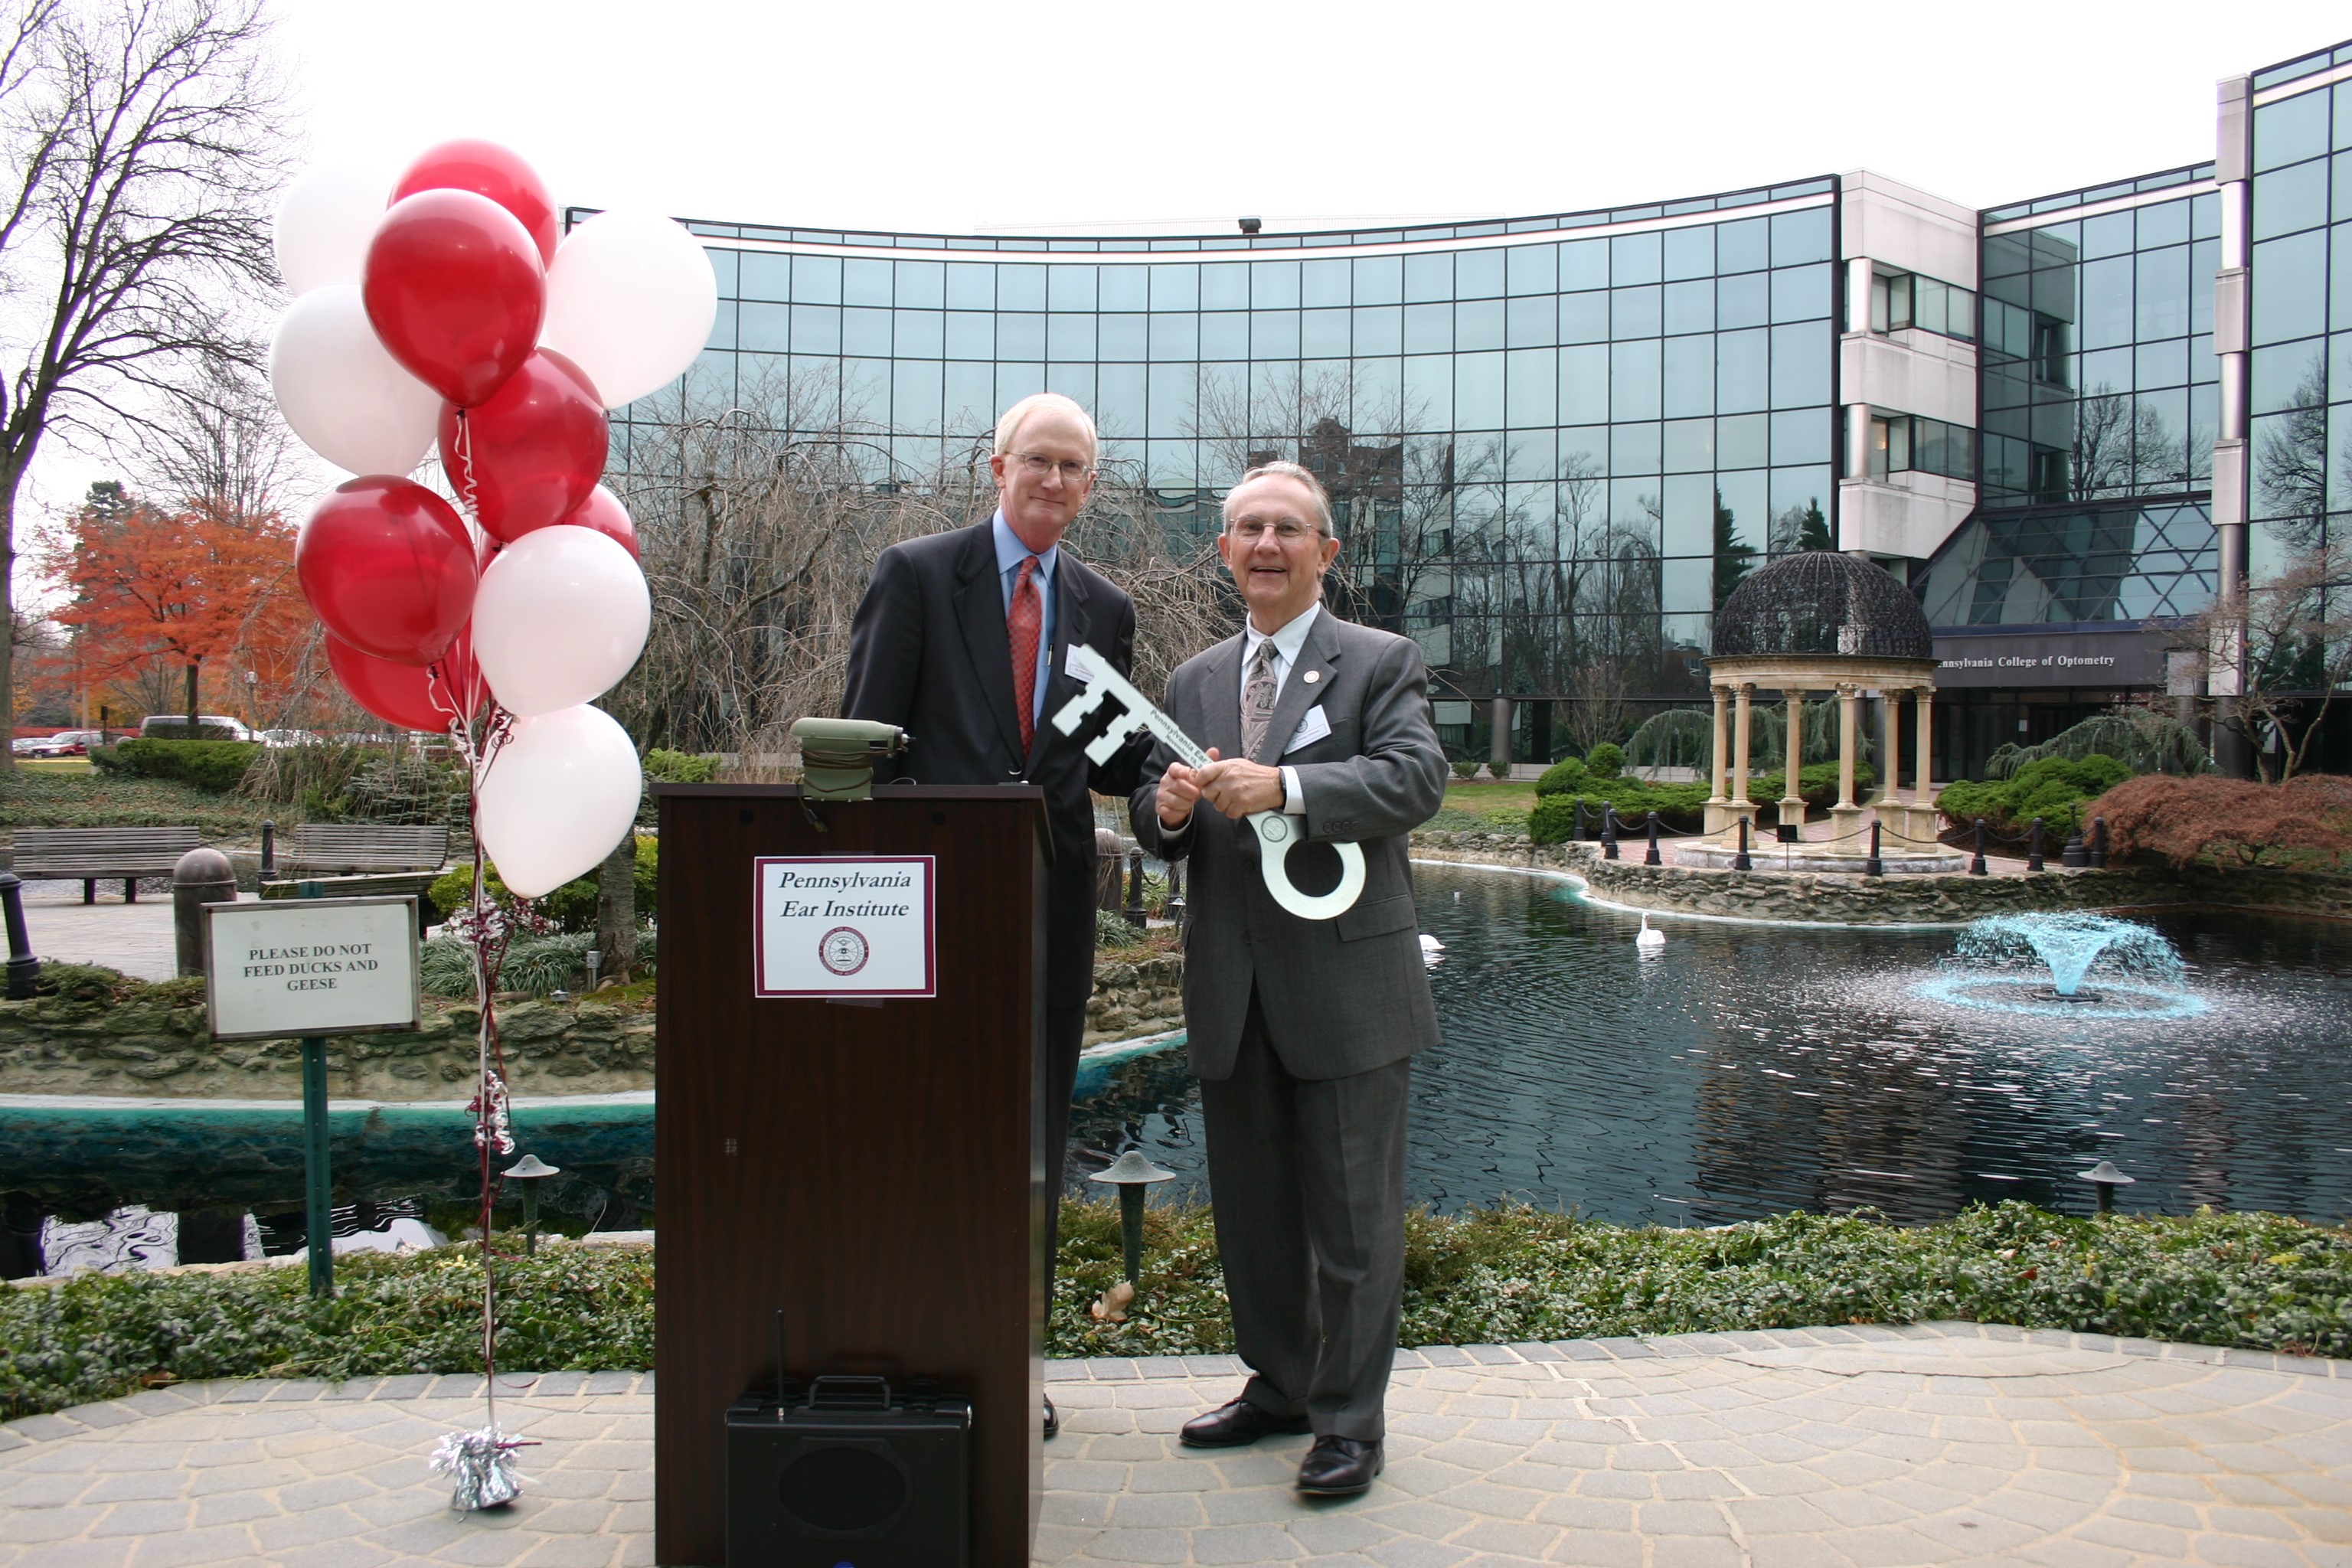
x: 2089, y: 659
x: 844, y: 926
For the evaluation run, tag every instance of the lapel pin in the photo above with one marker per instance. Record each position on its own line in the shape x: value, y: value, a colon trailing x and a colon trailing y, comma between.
x: 1311, y: 677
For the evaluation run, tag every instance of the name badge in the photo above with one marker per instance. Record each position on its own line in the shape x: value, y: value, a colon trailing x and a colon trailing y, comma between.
x: 1076, y: 666
x: 1311, y: 729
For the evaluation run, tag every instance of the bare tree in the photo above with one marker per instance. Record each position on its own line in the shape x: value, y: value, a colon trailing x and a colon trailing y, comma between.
x: 146, y: 139
x: 220, y: 443
x: 2290, y: 636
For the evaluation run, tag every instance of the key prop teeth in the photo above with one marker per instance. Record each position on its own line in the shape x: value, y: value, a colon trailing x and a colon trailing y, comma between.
x: 1073, y: 713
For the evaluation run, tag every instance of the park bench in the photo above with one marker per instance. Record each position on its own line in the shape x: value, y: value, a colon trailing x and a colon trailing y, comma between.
x: 90, y: 853
x: 353, y: 859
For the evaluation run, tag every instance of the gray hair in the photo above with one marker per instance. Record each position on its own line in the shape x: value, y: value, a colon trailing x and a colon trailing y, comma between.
x: 1279, y: 469
x: 1008, y: 424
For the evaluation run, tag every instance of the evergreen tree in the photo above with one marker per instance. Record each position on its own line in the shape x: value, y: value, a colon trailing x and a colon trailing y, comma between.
x: 1732, y: 558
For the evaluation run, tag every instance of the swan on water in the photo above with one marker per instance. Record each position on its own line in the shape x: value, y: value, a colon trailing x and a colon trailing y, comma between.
x: 1649, y: 935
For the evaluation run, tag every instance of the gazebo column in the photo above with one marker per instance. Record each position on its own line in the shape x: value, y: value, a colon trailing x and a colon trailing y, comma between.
x: 1883, y: 790
x: 1846, y: 818
x: 1792, y: 803
x: 1718, y: 761
x: 1923, y: 783
x: 1737, y: 807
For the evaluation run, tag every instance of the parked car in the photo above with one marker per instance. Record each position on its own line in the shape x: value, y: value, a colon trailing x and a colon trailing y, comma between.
x: 291, y: 738
x: 209, y: 727
x: 68, y: 743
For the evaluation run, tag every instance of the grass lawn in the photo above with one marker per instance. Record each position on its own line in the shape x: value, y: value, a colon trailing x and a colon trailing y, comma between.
x: 68, y: 766
x: 1486, y: 804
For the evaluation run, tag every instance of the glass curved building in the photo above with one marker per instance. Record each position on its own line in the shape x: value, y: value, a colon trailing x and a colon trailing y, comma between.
x: 1557, y: 444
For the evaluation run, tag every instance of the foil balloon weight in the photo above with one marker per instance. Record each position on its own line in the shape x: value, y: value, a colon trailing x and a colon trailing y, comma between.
x: 388, y: 568
x: 556, y: 797
x: 455, y: 289
x: 480, y: 1466
x: 531, y: 452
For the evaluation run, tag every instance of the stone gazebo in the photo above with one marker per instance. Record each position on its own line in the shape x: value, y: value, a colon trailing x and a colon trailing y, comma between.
x: 1820, y: 621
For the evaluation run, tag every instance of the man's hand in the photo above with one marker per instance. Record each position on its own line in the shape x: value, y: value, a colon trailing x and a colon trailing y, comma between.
x: 1238, y: 786
x: 1179, y: 791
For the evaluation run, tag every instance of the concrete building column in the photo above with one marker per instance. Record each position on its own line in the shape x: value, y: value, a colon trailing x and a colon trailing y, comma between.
x: 1498, y: 747
x: 2233, y: 172
x: 1792, y: 802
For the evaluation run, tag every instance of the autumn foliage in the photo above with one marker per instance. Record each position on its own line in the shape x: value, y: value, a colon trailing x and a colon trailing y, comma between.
x: 2306, y: 821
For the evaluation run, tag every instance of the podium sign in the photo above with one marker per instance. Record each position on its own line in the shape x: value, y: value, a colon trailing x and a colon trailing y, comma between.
x: 869, y: 1171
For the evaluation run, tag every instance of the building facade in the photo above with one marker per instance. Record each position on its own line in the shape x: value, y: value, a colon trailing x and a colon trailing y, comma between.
x: 1557, y: 444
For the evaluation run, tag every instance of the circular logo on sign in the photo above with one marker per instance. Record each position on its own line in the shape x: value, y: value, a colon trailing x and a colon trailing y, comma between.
x: 843, y: 950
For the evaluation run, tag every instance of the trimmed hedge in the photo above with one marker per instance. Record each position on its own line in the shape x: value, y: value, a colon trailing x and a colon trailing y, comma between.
x: 1678, y: 805
x: 218, y: 765
x: 2054, y: 789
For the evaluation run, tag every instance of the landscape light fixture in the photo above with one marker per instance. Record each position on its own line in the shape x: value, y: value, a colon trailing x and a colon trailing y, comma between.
x: 531, y: 1171
x: 1130, y: 1173
x: 2107, y: 1178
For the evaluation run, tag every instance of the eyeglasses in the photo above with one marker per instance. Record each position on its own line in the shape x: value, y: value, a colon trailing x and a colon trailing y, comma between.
x: 1286, y: 530
x: 1036, y: 465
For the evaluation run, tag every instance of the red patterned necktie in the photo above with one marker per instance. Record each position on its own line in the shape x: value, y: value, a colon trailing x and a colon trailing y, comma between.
x: 1026, y: 622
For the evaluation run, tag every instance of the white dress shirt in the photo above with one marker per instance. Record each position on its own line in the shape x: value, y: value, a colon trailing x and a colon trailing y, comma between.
x: 1287, y: 641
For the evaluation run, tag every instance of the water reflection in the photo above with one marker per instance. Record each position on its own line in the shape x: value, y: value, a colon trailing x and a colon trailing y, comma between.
x: 1743, y: 1070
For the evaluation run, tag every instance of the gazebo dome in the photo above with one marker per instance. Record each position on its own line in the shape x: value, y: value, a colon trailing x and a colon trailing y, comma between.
x: 1820, y: 602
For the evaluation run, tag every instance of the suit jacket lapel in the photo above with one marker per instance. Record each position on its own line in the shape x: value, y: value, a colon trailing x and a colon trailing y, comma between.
x: 1309, y: 679
x: 1221, y: 725
x: 980, y: 610
x: 1072, y: 623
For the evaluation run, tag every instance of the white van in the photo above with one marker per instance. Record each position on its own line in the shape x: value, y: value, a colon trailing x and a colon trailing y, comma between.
x: 209, y: 727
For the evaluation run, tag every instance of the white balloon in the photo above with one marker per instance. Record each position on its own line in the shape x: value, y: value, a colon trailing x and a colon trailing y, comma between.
x: 561, y: 614
x: 557, y: 797
x: 630, y: 300
x: 348, y: 399
x: 325, y: 221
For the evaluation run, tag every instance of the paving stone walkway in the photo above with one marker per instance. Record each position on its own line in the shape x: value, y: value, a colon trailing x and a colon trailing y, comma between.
x: 1946, y: 1443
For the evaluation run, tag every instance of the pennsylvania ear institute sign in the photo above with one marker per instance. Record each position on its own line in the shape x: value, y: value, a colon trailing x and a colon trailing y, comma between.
x: 844, y: 926
x: 310, y: 967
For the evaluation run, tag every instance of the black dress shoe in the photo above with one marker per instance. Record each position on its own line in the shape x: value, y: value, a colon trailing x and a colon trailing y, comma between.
x: 1231, y: 1425
x: 1053, y: 1419
x: 1338, y: 1467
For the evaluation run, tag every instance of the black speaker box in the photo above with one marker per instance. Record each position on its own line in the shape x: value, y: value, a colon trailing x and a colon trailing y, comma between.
x: 848, y: 1476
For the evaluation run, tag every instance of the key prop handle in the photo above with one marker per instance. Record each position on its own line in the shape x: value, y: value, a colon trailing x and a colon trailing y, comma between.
x: 1278, y: 836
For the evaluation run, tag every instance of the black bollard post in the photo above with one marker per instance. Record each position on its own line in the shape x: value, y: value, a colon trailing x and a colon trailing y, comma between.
x: 1176, y: 894
x: 1609, y: 830
x: 2098, y: 841
x: 317, y: 1182
x: 1137, y: 915
x: 1977, y: 868
x: 268, y: 851
x: 1873, y: 867
x: 1652, y: 858
x: 1740, y: 862
x: 200, y: 877
x: 2034, y: 860
x: 23, y: 969
x: 1583, y: 830
x: 2075, y: 853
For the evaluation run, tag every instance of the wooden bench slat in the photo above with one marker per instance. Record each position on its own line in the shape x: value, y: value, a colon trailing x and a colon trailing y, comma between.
x: 359, y: 849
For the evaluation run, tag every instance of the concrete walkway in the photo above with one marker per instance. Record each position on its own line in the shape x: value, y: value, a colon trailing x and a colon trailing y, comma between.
x: 135, y: 939
x: 1948, y: 1443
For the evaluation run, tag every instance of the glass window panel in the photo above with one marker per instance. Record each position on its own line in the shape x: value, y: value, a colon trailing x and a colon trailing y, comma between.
x: 1690, y: 252
x: 1744, y: 300
x: 1743, y: 247
x: 764, y: 326
x: 1380, y: 330
x: 1634, y: 381
x: 2339, y: 366
x: 1479, y: 392
x: 915, y: 390
x: 864, y: 282
x: 1123, y: 288
x: 2339, y: 466
x: 2288, y: 375
x: 1584, y: 264
x: 2162, y: 301
x: 1429, y: 392
x: 972, y: 334
x: 865, y: 390
x: 2166, y: 223
x: 1175, y: 335
x: 763, y: 275
x: 1688, y: 521
x: 1428, y: 277
x: 916, y: 334
x: 816, y: 279
x: 1531, y: 269
x: 1020, y: 287
x: 1689, y: 377
x: 1527, y: 455
x: 1274, y: 335
x: 1741, y: 440
x: 971, y: 389
x: 1690, y: 445
x: 1172, y: 465
x: 1020, y: 335
x: 2289, y: 287
x: 1119, y: 400
x: 1742, y: 365
x: 1532, y: 386
x: 1529, y: 323
x: 1069, y: 338
x: 1477, y: 274
x: 1801, y: 237
x: 1635, y: 258
x: 1224, y: 286
x: 971, y: 286
x: 922, y: 285
x: 1274, y: 285
x: 1799, y: 488
x: 1636, y: 312
x: 817, y: 328
x: 815, y: 392
x: 2291, y: 130
x: 1584, y: 384
x: 2290, y: 199
x: 2106, y: 302
x: 1175, y: 389
x: 1428, y: 329
x: 2109, y: 233
x: 1583, y: 451
x: 1224, y: 334
x: 2340, y: 310
x: 1746, y: 495
x: 1633, y: 449
x: 1802, y: 437
x: 1378, y: 396
x: 1323, y: 334
x: 1800, y: 365
x: 1584, y: 318
x: 1478, y: 324
x: 1275, y: 414
x: 1801, y: 293
x: 1379, y: 280
x: 1070, y: 287
x: 1175, y: 286
x: 1687, y: 584
x: 1690, y: 307
x: 2162, y: 364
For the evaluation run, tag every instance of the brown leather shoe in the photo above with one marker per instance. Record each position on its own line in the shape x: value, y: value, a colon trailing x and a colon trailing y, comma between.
x: 1236, y: 1423
x: 1052, y: 1421
x: 1338, y: 1467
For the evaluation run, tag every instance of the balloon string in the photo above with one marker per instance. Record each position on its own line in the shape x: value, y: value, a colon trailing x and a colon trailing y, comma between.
x: 466, y: 490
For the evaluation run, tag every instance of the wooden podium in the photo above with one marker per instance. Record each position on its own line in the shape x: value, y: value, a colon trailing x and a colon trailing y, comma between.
x: 871, y: 1169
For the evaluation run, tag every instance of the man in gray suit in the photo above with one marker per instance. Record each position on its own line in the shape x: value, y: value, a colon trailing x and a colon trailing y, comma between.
x: 1302, y: 1032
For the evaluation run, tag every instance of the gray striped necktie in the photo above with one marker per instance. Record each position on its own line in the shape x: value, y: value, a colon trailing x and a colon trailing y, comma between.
x: 1257, y: 699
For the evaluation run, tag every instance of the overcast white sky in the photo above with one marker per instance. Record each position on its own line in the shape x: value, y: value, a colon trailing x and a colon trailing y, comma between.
x: 927, y: 115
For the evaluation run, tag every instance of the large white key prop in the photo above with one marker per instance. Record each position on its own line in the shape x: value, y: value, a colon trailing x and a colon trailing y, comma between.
x: 1277, y: 834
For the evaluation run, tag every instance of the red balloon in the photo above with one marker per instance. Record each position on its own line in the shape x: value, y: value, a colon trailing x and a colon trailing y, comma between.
x: 388, y: 567
x: 454, y: 288
x: 603, y: 512
x: 488, y: 170
x: 411, y: 696
x: 532, y: 452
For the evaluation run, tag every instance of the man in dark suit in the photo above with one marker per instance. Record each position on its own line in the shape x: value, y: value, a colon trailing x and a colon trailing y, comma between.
x: 1302, y: 1032
x: 963, y: 640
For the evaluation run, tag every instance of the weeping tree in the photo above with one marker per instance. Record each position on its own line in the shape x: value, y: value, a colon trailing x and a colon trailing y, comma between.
x: 2143, y: 741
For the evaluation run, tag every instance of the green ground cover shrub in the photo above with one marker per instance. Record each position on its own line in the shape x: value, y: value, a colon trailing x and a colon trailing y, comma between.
x: 1605, y: 761
x: 1679, y: 805
x: 33, y: 799
x: 1498, y: 1276
x: 216, y: 765
x: 2054, y: 789
x: 572, y: 906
